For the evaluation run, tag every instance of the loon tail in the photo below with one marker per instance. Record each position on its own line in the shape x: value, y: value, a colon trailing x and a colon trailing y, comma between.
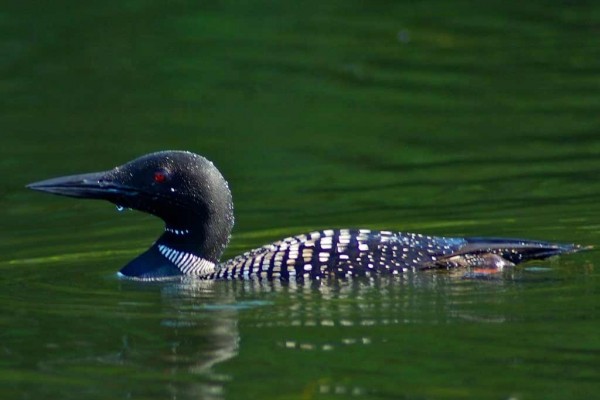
x: 517, y: 250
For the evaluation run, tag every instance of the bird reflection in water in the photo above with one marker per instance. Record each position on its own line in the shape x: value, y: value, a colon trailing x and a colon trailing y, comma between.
x: 208, y: 318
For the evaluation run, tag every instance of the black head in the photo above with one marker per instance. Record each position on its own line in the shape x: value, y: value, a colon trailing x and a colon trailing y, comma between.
x: 184, y: 189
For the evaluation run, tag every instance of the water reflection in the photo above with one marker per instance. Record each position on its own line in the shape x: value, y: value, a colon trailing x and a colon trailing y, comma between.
x: 197, y: 306
x: 288, y: 321
x: 196, y: 339
x: 424, y: 297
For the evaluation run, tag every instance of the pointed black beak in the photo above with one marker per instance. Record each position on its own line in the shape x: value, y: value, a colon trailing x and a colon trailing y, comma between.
x: 96, y: 185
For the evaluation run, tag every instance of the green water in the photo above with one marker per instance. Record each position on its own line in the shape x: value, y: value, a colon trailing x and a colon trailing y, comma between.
x: 453, y: 118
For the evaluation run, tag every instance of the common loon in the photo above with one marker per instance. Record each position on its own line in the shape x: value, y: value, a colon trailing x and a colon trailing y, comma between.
x: 191, y: 196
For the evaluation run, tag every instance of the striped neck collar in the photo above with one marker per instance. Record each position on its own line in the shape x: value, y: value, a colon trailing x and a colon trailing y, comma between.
x: 187, y: 263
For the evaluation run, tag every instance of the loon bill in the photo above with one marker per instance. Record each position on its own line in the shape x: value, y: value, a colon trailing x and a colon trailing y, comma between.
x: 189, y: 193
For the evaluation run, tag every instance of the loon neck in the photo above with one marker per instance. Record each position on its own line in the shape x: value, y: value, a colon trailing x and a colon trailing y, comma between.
x: 188, y: 240
x: 206, y: 238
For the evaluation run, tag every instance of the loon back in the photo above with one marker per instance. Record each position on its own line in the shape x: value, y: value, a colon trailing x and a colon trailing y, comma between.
x: 362, y: 252
x: 191, y: 196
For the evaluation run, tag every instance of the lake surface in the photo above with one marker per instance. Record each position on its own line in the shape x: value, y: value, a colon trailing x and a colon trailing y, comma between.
x: 445, y: 118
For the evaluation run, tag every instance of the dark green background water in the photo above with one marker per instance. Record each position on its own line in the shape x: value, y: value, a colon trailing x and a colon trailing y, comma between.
x: 441, y: 117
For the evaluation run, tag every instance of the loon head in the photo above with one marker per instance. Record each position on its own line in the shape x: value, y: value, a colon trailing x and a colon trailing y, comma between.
x: 184, y: 189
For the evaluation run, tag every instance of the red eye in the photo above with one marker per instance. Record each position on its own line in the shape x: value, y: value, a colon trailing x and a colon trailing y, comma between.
x: 160, y: 177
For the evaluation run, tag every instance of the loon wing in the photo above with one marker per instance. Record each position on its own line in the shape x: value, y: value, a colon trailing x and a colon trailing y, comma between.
x: 352, y: 252
x: 499, y: 252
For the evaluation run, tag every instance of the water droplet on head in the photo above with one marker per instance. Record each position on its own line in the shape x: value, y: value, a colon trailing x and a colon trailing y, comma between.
x: 120, y: 208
